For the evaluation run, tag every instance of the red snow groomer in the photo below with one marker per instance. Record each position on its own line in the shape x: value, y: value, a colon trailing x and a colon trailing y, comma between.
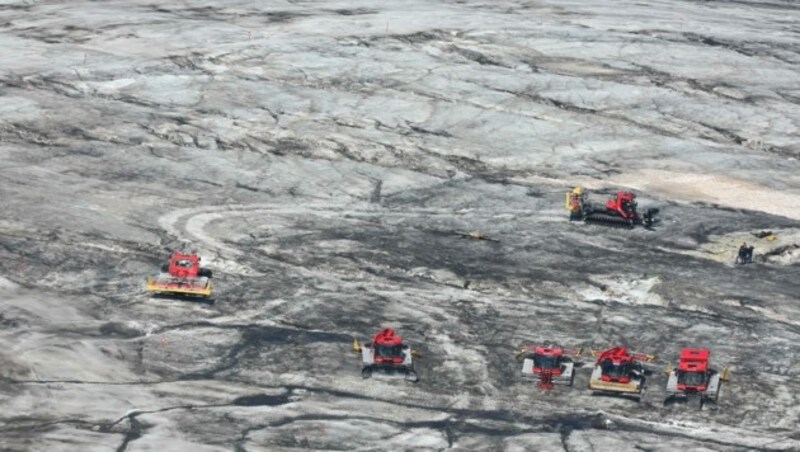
x: 182, y: 275
x: 621, y: 210
x: 386, y: 356
x: 619, y: 372
x: 693, y: 380
x: 548, y: 365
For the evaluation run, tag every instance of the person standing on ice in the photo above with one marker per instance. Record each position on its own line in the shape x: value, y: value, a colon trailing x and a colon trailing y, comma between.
x: 745, y: 254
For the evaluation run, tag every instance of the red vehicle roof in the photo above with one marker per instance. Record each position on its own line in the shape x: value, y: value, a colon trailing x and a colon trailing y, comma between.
x: 693, y: 359
x: 387, y: 336
x: 184, y: 265
x: 625, y: 195
x: 616, y: 354
x: 548, y: 351
x: 696, y: 354
x: 177, y: 255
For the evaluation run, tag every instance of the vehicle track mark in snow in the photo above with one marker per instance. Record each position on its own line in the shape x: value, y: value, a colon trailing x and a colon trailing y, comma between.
x: 191, y: 224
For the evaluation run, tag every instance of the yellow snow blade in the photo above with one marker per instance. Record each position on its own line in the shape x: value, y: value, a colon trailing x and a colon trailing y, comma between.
x: 356, y: 345
x: 577, y: 191
x: 154, y: 286
x: 643, y: 357
x: 416, y: 354
x: 613, y: 386
x: 726, y: 374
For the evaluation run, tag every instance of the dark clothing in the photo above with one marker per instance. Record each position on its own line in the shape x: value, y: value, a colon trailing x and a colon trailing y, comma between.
x: 745, y: 255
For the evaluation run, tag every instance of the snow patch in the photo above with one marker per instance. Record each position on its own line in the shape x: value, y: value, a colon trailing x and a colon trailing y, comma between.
x: 6, y: 284
x: 633, y: 290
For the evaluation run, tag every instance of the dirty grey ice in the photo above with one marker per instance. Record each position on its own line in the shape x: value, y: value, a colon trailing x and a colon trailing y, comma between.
x: 322, y: 157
